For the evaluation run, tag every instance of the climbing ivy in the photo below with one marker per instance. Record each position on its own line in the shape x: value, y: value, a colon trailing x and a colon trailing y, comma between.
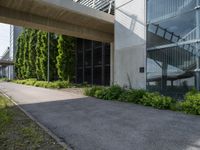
x: 43, y: 55
x: 18, y: 60
x: 31, y: 68
x: 65, y: 58
x: 38, y: 54
x: 31, y: 56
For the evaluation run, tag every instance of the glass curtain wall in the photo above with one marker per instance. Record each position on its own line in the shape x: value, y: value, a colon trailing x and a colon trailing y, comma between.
x: 93, y: 62
x: 173, y: 38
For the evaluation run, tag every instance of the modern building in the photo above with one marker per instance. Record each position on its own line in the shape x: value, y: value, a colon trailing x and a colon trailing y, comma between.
x: 173, y: 45
x: 4, y: 68
x: 150, y: 44
x: 14, y: 34
x: 93, y: 58
x: 8, y: 58
x: 156, y: 45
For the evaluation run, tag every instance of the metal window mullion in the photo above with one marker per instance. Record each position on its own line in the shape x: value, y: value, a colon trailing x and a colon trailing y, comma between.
x: 103, y: 64
x: 76, y: 62
x: 83, y: 48
x: 92, y: 63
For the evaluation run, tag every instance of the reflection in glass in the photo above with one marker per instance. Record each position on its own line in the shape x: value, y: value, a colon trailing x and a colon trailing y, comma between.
x: 172, y: 45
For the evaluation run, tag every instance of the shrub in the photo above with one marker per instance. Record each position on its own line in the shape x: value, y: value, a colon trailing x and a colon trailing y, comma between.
x: 101, y: 93
x: 157, y: 101
x: 45, y: 84
x: 91, y: 91
x: 191, y: 103
x: 106, y: 93
x: 113, y: 92
x: 134, y: 96
x: 123, y: 96
x: 39, y: 84
x: 30, y: 81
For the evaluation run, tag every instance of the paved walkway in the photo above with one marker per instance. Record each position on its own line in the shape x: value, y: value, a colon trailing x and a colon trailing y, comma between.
x: 91, y: 124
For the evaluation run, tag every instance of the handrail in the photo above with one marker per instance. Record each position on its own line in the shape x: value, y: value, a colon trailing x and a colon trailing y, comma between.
x: 101, y: 5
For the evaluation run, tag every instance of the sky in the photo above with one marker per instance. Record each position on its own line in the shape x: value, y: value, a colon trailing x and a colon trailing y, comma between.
x: 4, y: 37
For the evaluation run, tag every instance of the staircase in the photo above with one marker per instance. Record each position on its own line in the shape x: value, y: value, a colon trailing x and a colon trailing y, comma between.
x: 186, y: 53
x: 170, y: 37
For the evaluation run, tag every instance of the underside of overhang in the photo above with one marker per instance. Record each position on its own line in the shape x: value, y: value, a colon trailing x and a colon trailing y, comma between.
x: 59, y: 16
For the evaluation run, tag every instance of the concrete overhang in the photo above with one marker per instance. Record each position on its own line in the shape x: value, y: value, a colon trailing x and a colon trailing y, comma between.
x: 59, y: 16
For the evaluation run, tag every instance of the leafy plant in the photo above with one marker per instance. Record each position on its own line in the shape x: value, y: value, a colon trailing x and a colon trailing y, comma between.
x: 65, y: 58
x: 134, y: 96
x: 191, y: 104
x: 113, y: 92
x: 91, y: 91
x: 101, y: 93
x: 157, y: 101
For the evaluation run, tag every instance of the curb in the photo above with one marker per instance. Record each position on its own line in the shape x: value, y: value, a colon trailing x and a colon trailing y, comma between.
x: 55, y: 137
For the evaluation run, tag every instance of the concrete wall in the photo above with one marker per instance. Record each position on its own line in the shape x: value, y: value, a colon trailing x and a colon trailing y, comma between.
x: 130, y: 43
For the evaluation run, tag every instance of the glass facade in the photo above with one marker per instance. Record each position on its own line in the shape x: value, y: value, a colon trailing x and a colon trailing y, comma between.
x: 173, y: 36
x: 93, y: 62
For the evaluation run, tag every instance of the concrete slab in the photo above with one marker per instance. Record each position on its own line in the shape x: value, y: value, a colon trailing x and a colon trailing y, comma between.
x: 59, y: 16
x: 89, y: 124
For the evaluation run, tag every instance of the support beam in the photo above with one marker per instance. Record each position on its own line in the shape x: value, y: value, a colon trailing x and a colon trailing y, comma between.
x: 58, y: 16
x: 37, y: 22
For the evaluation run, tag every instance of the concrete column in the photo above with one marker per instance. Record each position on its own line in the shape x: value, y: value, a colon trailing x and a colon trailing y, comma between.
x: 164, y: 76
x: 130, y: 43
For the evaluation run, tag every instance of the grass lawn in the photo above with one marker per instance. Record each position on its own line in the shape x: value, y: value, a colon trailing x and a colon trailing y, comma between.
x: 18, y: 132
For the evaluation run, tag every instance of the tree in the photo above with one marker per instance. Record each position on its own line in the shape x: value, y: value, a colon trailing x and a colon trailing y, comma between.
x: 43, y: 55
x: 53, y: 54
x: 21, y: 55
x: 38, y: 54
x: 17, y: 64
x: 31, y: 68
x: 25, y: 67
x: 65, y: 58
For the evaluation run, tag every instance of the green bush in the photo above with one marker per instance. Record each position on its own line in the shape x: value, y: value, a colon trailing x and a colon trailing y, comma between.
x: 134, y: 96
x: 91, y: 91
x: 101, y: 93
x: 113, y: 92
x: 123, y: 96
x: 106, y: 93
x: 157, y: 101
x: 191, y: 103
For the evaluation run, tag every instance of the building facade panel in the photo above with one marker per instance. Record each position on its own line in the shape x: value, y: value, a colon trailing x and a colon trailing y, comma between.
x: 93, y: 62
x: 130, y: 43
x: 172, y: 45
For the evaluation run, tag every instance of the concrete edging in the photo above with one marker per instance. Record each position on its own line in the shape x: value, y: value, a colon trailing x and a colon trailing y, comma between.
x: 55, y: 137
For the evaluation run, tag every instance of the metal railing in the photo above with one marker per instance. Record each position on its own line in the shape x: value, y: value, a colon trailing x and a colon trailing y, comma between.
x: 172, y: 37
x: 172, y: 8
x: 101, y: 5
x: 6, y: 61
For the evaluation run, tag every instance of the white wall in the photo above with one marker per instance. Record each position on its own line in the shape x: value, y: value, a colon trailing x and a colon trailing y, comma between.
x: 130, y: 43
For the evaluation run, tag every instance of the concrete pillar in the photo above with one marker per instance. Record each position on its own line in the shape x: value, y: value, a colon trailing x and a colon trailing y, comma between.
x: 130, y: 43
x: 164, y: 76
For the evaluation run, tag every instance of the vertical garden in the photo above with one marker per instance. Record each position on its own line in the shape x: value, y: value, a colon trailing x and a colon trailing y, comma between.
x: 32, y: 56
